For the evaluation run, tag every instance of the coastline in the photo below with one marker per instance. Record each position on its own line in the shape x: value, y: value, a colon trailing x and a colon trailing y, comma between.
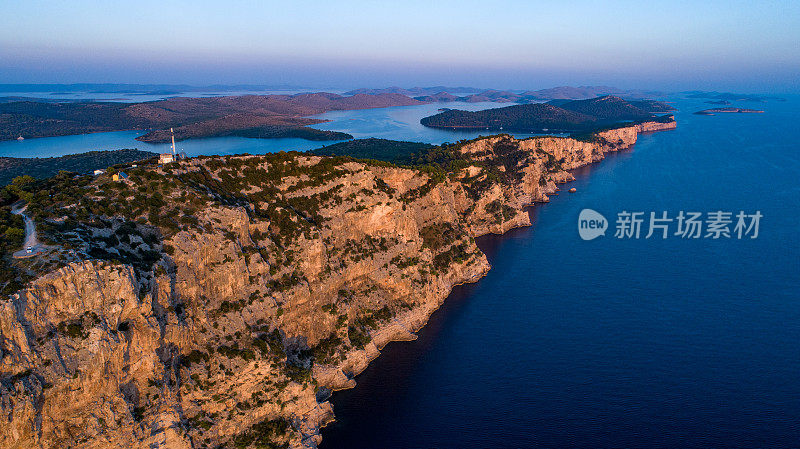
x: 435, y: 215
x: 316, y: 420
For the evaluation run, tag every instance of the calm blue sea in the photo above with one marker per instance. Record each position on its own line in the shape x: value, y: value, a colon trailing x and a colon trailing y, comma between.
x: 602, y: 343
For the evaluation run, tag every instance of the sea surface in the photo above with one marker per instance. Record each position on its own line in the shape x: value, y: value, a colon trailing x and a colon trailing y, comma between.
x: 603, y: 343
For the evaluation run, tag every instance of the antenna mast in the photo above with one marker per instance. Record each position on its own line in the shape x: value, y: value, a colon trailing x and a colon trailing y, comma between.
x: 173, y: 141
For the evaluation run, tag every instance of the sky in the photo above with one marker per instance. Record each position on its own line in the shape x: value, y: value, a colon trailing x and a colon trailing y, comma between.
x: 751, y: 46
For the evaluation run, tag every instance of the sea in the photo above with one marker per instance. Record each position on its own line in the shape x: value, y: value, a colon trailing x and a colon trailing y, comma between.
x: 667, y: 341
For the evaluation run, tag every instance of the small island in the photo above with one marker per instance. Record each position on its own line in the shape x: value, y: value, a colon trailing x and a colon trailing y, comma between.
x: 714, y: 111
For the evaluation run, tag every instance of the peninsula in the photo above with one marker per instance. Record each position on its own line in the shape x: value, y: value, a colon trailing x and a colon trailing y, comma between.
x: 217, y: 301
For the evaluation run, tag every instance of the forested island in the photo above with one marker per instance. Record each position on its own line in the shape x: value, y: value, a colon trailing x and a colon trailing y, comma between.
x: 714, y: 111
x: 556, y: 116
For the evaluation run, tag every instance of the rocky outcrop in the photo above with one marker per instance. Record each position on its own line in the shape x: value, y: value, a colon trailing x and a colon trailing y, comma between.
x: 283, y: 281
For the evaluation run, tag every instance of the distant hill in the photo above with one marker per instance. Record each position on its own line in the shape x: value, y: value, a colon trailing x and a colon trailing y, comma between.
x: 139, y: 88
x: 569, y: 116
x: 414, y: 91
x: 11, y: 167
x: 438, y: 97
x: 607, y: 108
x: 448, y: 94
x: 652, y: 106
x: 587, y: 92
x: 379, y: 149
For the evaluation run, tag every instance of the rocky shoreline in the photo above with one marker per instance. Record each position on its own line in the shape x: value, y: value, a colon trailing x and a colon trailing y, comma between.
x: 406, y: 330
x: 254, y: 286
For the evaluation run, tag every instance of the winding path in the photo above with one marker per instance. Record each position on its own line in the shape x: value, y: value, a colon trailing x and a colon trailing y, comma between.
x: 31, y: 242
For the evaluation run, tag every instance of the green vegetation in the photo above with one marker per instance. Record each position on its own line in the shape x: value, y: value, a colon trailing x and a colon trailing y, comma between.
x: 78, y: 328
x: 270, y: 344
x: 358, y: 336
x: 608, y: 109
x: 195, y: 357
x: 533, y: 117
x: 263, y: 435
x: 12, y: 234
x: 501, y: 211
x: 437, y: 235
x: 279, y: 132
x: 298, y: 374
x: 233, y: 351
x: 393, y: 151
x: 456, y: 254
x: 11, y: 167
x: 326, y: 348
x: 652, y: 106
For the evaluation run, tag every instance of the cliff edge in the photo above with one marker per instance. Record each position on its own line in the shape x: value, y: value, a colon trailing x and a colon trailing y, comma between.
x: 219, y: 300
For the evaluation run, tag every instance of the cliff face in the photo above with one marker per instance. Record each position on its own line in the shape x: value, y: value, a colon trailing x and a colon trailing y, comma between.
x: 277, y: 279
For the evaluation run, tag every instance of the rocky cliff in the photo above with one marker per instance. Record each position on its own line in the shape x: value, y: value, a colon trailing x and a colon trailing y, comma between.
x: 218, y: 301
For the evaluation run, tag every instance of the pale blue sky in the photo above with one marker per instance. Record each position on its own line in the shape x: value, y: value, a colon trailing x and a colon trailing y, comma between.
x: 744, y: 45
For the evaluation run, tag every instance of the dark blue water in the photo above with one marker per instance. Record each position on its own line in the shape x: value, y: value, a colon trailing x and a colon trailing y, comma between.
x: 616, y: 343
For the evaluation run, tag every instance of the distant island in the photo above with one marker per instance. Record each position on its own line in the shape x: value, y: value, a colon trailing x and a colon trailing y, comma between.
x: 261, y: 116
x: 45, y: 167
x: 556, y: 116
x: 474, y: 95
x: 714, y: 111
